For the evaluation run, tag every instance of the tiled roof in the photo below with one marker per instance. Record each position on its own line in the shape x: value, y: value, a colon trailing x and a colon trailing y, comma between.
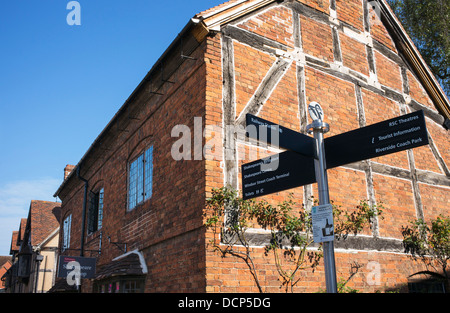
x: 44, y: 217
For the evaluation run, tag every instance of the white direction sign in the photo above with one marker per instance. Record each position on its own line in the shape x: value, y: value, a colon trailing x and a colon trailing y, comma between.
x: 323, y: 224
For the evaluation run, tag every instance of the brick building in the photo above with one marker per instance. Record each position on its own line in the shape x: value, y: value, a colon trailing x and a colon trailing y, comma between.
x: 34, y: 250
x: 136, y: 199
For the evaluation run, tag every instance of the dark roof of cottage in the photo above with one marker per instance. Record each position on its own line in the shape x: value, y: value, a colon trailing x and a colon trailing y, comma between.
x: 131, y: 264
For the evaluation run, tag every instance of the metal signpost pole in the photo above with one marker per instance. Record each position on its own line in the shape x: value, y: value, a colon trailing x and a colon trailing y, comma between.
x: 319, y: 128
x: 305, y: 163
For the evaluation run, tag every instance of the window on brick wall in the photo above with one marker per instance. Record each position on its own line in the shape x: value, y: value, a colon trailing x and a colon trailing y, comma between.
x: 95, y: 215
x: 67, y: 225
x: 140, y: 179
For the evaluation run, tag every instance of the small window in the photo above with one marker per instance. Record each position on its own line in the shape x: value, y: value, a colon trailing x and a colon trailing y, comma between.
x: 95, y: 217
x: 140, y: 179
x: 123, y: 285
x: 67, y: 224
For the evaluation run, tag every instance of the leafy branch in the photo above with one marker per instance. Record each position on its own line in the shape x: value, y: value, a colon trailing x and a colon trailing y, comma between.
x: 229, y: 217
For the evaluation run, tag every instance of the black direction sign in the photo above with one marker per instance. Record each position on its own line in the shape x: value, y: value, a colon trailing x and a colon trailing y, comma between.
x: 288, y: 139
x: 277, y: 173
x: 395, y: 135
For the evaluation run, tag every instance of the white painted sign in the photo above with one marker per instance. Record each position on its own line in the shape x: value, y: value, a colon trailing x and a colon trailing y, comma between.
x: 323, y: 224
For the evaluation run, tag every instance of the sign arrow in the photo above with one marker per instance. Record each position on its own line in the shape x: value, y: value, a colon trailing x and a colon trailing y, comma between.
x: 391, y: 136
x: 279, y: 136
x: 296, y: 168
x: 276, y: 173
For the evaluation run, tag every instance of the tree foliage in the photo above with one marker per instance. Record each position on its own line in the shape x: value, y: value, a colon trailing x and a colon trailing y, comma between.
x: 428, y: 23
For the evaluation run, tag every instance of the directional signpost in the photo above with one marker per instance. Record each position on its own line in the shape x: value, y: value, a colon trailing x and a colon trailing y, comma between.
x: 395, y: 135
x: 308, y: 159
x: 287, y: 170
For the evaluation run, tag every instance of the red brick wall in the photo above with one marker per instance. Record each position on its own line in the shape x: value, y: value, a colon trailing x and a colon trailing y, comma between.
x: 282, y: 105
x: 351, y: 12
x: 320, y: 5
x: 337, y: 98
x: 379, y: 32
x: 388, y: 72
x: 317, y: 39
x: 251, y: 67
x: 354, y: 54
x: 357, y: 92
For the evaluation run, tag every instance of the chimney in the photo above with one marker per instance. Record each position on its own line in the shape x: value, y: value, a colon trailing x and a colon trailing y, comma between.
x: 67, y: 170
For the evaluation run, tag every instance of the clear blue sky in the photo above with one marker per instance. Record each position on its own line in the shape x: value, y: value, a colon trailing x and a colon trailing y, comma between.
x: 60, y: 85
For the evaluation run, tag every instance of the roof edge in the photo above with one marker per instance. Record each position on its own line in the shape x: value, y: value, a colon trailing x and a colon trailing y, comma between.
x: 223, y: 15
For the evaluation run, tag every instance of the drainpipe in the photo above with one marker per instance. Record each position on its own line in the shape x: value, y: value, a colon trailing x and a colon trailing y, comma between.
x: 83, y: 226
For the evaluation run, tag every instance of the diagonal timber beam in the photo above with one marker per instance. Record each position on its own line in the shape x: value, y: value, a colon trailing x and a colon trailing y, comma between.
x: 265, y: 89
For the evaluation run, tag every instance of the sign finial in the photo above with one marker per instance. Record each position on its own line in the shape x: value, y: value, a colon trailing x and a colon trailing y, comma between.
x: 315, y: 111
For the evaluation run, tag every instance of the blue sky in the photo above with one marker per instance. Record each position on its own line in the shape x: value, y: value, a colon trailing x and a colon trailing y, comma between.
x: 60, y: 85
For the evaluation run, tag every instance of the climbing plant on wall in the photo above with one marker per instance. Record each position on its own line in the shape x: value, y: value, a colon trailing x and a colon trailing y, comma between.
x: 290, y: 230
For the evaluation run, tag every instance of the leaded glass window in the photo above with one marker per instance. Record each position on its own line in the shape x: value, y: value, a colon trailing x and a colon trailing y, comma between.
x: 140, y: 179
